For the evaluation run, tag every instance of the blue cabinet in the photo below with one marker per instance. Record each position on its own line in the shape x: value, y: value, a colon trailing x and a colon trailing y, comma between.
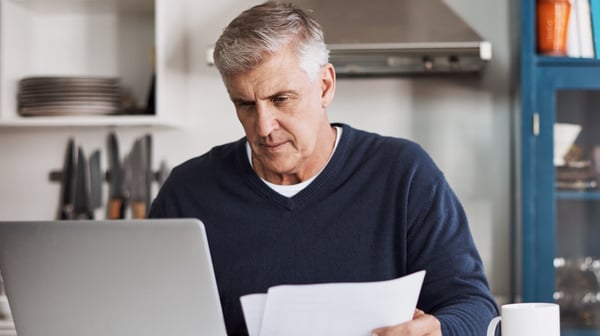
x: 560, y: 201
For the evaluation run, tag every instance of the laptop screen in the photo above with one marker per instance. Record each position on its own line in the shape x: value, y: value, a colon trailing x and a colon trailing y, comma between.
x: 110, y: 277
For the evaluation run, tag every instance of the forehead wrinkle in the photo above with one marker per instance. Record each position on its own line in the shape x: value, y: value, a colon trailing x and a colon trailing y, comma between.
x: 266, y: 80
x: 258, y: 89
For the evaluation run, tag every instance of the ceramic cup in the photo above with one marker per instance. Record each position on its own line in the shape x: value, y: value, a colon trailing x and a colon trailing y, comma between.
x: 527, y: 319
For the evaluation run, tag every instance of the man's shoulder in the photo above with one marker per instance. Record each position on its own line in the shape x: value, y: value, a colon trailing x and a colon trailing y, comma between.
x: 387, y: 154
x: 376, y: 143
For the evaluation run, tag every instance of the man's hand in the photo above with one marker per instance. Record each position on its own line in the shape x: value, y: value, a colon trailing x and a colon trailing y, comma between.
x: 421, y: 325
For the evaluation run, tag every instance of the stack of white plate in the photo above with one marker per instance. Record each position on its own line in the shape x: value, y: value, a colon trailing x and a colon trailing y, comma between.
x: 49, y: 96
x: 7, y: 326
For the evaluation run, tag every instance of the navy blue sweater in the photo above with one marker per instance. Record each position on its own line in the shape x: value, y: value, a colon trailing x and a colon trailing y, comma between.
x: 379, y: 210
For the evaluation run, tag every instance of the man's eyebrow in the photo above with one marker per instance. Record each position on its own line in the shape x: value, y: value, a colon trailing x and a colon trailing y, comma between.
x: 282, y: 93
x: 241, y: 101
x: 238, y: 100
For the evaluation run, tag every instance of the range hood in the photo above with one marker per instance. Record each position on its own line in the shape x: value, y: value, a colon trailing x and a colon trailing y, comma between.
x: 398, y: 37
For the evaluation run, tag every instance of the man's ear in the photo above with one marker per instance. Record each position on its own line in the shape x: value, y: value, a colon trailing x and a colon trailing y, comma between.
x: 327, y: 84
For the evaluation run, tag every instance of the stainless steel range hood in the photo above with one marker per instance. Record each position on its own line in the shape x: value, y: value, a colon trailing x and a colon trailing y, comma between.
x: 398, y: 37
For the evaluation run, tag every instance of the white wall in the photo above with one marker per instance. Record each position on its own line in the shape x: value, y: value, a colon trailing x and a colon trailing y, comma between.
x: 463, y: 123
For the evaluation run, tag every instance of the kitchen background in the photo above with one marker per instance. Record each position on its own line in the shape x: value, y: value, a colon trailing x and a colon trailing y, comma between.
x: 465, y: 123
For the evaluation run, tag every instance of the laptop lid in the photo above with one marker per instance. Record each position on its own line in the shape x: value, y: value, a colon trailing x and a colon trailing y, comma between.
x: 121, y: 278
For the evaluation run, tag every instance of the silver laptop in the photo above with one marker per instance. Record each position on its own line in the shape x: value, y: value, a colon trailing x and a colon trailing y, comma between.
x: 117, y: 278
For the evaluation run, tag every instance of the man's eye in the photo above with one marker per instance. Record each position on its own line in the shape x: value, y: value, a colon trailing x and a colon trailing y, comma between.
x: 280, y: 99
x: 244, y: 104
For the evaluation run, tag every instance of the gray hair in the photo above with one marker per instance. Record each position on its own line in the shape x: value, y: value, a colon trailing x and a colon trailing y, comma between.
x: 265, y: 29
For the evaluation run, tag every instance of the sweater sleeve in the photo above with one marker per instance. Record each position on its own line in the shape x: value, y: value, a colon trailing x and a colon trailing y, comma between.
x: 439, y: 240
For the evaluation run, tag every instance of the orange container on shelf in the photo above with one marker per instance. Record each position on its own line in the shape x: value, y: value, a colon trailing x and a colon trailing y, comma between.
x: 552, y: 25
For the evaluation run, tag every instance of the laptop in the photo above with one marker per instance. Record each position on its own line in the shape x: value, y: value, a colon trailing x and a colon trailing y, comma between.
x: 110, y: 277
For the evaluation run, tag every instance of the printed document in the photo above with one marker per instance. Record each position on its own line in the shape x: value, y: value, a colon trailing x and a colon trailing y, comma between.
x: 344, y: 309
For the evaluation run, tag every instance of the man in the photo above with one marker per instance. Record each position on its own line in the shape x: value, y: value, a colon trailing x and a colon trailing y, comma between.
x: 299, y: 200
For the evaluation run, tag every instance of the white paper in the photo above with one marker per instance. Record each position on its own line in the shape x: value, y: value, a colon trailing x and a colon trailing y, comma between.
x: 344, y: 309
x: 253, y: 306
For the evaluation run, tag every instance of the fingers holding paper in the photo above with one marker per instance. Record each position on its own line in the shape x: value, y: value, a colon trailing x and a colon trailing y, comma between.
x: 422, y: 324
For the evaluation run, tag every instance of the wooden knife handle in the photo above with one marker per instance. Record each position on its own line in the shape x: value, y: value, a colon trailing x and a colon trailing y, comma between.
x: 138, y: 209
x: 116, y: 209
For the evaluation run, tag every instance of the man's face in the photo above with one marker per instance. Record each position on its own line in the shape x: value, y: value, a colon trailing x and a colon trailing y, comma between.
x: 283, y: 113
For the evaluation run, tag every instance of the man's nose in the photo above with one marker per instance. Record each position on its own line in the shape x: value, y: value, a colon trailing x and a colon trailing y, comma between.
x: 266, y: 119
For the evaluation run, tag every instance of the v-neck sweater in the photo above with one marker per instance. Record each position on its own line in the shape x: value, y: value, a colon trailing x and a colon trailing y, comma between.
x: 380, y: 209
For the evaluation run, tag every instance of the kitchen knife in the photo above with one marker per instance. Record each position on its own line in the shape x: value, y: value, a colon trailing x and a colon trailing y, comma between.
x: 81, y: 201
x: 96, y: 180
x: 68, y: 182
x: 149, y: 174
x: 127, y: 176
x: 163, y: 172
x: 116, y: 192
x: 137, y: 164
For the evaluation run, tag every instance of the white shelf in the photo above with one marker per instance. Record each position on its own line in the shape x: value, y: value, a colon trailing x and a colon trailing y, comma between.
x: 89, y: 121
x: 109, y: 38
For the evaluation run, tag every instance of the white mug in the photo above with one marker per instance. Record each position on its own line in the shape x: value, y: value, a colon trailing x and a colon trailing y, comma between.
x: 527, y: 319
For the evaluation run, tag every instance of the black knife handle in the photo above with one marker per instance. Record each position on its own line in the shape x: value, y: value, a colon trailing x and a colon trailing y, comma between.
x: 66, y: 213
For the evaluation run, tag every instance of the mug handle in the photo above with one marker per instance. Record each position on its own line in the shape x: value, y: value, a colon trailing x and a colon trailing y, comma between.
x: 491, y: 331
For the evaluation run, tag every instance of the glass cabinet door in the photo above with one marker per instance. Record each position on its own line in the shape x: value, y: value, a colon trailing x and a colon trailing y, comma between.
x: 576, y: 160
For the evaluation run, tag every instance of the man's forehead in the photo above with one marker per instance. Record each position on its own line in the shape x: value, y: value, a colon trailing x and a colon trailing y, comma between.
x: 279, y: 72
x: 263, y: 88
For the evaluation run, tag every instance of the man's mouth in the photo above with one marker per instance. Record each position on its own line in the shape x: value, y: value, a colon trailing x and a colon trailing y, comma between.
x: 274, y: 146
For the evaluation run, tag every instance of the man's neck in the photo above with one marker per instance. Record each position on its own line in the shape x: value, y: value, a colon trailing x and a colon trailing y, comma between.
x: 307, y: 171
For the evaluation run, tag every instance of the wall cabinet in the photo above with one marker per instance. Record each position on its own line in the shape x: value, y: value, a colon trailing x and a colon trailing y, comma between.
x: 128, y: 39
x: 560, y: 202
